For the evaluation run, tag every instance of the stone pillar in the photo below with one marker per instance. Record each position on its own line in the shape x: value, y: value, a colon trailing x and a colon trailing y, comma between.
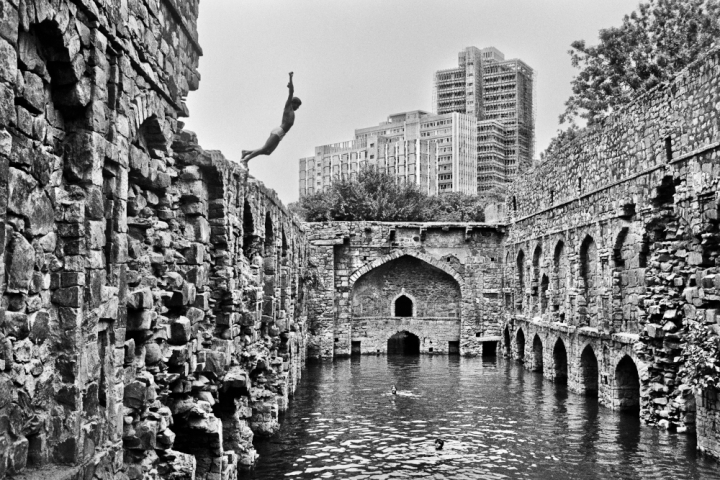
x: 707, y: 421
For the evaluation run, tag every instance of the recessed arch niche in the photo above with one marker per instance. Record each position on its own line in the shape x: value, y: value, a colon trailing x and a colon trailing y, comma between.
x: 432, y: 292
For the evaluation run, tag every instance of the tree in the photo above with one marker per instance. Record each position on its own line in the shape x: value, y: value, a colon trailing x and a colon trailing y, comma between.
x: 373, y: 195
x: 563, y: 137
x: 651, y: 46
x: 458, y: 207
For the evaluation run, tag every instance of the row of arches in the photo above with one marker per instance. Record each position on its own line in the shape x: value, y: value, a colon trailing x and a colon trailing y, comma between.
x: 583, y: 287
x: 621, y: 390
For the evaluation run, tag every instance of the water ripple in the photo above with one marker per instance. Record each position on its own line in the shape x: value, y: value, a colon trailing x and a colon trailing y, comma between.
x: 497, y: 420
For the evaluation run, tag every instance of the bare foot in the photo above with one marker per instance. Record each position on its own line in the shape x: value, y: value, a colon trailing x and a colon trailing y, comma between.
x: 245, y: 153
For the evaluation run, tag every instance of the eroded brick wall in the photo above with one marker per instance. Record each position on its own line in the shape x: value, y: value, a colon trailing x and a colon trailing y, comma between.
x: 623, y: 225
x: 152, y: 314
x: 452, y: 272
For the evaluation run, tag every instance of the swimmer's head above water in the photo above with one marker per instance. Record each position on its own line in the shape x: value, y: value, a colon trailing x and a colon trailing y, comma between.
x: 439, y: 443
x: 393, y: 390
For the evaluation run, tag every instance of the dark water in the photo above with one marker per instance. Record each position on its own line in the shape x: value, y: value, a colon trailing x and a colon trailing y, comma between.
x: 498, y: 421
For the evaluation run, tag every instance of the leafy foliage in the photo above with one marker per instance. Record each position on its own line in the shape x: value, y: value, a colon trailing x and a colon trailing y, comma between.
x: 457, y: 207
x: 374, y: 195
x: 563, y: 137
x: 651, y: 46
x: 702, y: 355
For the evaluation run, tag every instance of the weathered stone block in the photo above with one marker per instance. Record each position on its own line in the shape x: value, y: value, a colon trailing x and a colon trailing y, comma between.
x: 21, y: 261
x: 135, y: 395
x: 9, y: 21
x: 84, y: 157
x: 68, y: 297
x: 140, y: 299
x: 7, y: 105
x: 27, y: 200
x: 17, y: 325
x: 40, y: 327
x: 8, y: 61
x: 180, y: 331
x: 141, y: 320
x: 33, y: 92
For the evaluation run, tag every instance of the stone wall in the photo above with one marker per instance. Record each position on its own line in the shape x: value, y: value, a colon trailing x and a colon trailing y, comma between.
x: 451, y: 273
x: 433, y: 293
x: 614, y: 242
x: 152, y: 293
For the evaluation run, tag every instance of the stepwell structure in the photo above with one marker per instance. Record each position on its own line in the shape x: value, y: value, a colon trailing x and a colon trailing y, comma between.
x: 157, y: 303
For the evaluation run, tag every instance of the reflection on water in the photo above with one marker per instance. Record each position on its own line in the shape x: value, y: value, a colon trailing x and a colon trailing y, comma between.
x: 497, y: 420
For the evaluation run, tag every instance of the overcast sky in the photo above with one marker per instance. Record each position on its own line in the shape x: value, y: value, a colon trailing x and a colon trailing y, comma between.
x: 358, y: 61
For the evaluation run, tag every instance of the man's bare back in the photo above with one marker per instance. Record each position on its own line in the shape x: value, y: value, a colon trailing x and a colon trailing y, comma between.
x: 277, y: 134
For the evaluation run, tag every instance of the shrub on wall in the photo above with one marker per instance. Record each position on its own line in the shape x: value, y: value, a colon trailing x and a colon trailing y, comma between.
x: 378, y: 196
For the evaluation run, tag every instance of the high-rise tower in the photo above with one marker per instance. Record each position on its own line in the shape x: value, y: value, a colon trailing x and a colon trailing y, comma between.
x: 499, y: 94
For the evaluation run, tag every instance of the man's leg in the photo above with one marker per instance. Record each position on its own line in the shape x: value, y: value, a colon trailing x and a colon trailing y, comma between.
x: 269, y: 147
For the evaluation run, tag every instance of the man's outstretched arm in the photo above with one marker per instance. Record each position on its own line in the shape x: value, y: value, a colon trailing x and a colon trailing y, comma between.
x: 291, y: 90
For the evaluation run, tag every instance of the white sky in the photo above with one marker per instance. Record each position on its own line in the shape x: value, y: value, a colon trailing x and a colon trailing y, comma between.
x: 358, y: 61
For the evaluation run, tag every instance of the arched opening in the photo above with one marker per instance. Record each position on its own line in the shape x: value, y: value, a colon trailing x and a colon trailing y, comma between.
x: 269, y: 246
x: 403, y: 343
x: 506, y: 341
x: 589, y: 371
x: 619, y: 281
x: 560, y: 364
x: 508, y: 281
x: 665, y: 193
x: 521, y: 280
x: 626, y: 389
x: 520, y: 343
x: 431, y: 292
x: 588, y: 274
x: 248, y: 231
x: 535, y: 285
x: 629, y: 262
x: 403, y: 306
x: 543, y: 293
x: 537, y: 354
x: 561, y: 276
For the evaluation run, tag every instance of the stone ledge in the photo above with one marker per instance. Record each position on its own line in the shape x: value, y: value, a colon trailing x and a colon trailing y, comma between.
x: 491, y: 338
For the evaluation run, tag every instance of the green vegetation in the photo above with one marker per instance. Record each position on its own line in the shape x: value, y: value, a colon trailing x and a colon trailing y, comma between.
x: 651, y: 46
x: 374, y: 195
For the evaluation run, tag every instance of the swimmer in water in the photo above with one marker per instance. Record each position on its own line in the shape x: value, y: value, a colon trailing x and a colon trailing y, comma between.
x: 439, y: 443
x: 393, y: 390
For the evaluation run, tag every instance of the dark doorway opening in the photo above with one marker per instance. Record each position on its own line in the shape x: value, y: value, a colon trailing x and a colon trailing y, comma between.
x: 454, y: 347
x: 520, y: 346
x: 589, y: 372
x: 627, y: 387
x: 403, y: 307
x: 506, y: 338
x: 561, y: 363
x: 489, y: 349
x: 403, y: 343
x: 355, y: 347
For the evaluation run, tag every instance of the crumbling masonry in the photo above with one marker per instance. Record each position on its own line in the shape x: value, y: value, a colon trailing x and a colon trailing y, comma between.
x: 151, y: 316
x: 158, y: 303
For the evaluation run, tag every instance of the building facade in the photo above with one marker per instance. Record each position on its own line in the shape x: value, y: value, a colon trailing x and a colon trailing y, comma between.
x: 453, y: 135
x: 436, y: 152
x: 498, y: 93
x: 411, y: 161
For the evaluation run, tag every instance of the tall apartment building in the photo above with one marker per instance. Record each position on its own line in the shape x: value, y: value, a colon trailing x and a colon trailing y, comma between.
x: 453, y: 133
x: 498, y: 93
x: 436, y: 152
x: 412, y: 161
